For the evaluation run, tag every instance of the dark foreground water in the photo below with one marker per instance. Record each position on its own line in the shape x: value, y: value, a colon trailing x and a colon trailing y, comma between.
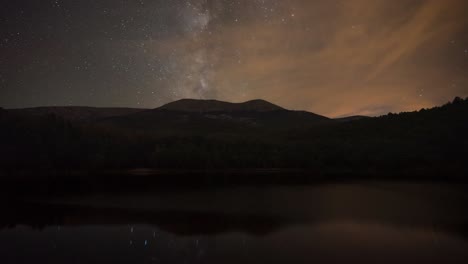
x: 328, y: 223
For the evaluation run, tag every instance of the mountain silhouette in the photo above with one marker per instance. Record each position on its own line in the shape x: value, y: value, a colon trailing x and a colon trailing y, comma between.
x: 211, y: 115
x: 206, y: 106
x: 75, y: 113
x: 208, y: 134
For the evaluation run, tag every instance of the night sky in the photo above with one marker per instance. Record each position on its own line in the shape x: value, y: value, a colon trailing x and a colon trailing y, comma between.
x: 331, y: 57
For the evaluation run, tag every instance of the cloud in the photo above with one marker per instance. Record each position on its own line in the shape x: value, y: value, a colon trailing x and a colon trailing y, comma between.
x: 423, y: 26
x: 369, y: 54
x: 360, y: 57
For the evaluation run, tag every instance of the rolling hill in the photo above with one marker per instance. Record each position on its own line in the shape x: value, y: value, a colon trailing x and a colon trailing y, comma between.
x: 75, y: 113
x: 207, y: 106
x: 191, y: 115
x: 197, y: 134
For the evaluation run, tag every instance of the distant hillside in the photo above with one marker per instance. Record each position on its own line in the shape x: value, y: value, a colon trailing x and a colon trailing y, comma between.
x: 250, y: 135
x: 75, y: 113
x: 206, y: 106
x: 189, y: 116
x: 350, y: 118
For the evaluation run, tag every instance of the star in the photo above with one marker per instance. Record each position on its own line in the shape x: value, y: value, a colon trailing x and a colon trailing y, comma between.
x: 147, y: 53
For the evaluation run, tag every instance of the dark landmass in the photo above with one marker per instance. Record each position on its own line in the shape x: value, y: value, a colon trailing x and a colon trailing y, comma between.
x: 351, y: 118
x: 204, y: 106
x: 196, y: 135
x: 74, y: 113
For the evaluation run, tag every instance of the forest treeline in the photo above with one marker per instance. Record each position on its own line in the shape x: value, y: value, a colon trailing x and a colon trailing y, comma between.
x: 427, y: 141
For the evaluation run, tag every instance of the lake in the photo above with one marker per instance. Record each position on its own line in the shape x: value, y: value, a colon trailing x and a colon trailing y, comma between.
x: 358, y: 222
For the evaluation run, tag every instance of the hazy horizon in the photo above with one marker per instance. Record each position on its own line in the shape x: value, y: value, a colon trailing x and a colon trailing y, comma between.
x: 142, y: 108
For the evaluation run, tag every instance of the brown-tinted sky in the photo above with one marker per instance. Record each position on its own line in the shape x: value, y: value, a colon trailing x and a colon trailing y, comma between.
x: 336, y: 58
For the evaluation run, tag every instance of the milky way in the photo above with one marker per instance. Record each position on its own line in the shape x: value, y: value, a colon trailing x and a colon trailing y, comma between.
x: 336, y: 58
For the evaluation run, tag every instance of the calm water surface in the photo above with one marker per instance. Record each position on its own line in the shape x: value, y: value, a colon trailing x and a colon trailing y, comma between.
x: 329, y: 223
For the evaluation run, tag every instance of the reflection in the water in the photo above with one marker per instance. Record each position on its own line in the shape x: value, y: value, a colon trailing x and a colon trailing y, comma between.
x: 369, y: 223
